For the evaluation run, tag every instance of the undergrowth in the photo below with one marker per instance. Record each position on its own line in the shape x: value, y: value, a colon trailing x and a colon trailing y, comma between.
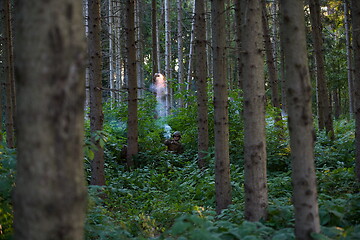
x: 166, y: 196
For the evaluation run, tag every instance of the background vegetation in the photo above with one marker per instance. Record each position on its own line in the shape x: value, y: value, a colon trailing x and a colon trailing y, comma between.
x: 167, y: 197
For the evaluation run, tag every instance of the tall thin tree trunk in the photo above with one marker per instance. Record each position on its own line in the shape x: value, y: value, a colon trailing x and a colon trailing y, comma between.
x: 270, y: 61
x: 283, y: 82
x: 86, y: 21
x: 168, y: 72
x: 355, y: 14
x: 139, y: 48
x: 349, y: 57
x: 201, y: 80
x: 238, y: 42
x: 324, y: 113
x: 180, y: 53
x: 222, y: 160
x: 191, y: 54
x: 155, y: 65
x: 112, y: 46
x: 337, y: 106
x: 209, y: 40
x: 96, y: 113
x: 2, y: 67
x: 300, y: 119
x: 10, y: 79
x: 132, y: 133
x: 256, y: 194
x: 50, y: 192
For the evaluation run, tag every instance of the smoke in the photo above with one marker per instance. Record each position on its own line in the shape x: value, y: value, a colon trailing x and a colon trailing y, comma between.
x: 167, y: 131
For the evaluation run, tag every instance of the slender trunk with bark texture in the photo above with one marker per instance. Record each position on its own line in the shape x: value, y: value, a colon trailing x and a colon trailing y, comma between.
x: 337, y: 106
x: 300, y: 119
x: 349, y: 57
x: 50, y: 192
x: 180, y: 53
x: 238, y: 42
x: 112, y: 46
x: 10, y: 78
x: 355, y: 13
x: 168, y: 72
x: 2, y: 67
x: 201, y: 80
x: 155, y: 66
x: 132, y: 133
x: 139, y: 48
x: 256, y: 194
x: 191, y: 54
x: 324, y: 113
x: 95, y: 84
x: 222, y: 160
x: 270, y: 61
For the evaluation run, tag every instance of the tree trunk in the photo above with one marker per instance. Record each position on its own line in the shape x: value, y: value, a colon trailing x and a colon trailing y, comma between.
x: 300, y: 119
x: 349, y: 58
x: 168, y: 72
x: 256, y: 195
x: 155, y: 66
x: 208, y: 39
x: 95, y: 84
x: 201, y: 80
x: 2, y: 68
x: 139, y: 49
x: 222, y: 161
x: 355, y: 13
x: 50, y: 192
x: 191, y: 53
x: 283, y: 82
x: 180, y: 54
x: 132, y: 133
x: 270, y: 61
x: 112, y: 46
x: 9, y: 69
x: 324, y: 113
x: 337, y: 105
x: 238, y: 42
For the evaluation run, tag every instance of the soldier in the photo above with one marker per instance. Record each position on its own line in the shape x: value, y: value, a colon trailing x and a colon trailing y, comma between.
x: 174, y: 145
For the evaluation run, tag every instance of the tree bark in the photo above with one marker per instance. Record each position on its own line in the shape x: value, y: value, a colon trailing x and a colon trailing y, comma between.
x: 273, y: 77
x: 349, y: 57
x: 238, y: 42
x: 155, y: 66
x: 10, y: 79
x: 112, y: 46
x: 168, y: 72
x: 222, y: 161
x: 201, y: 80
x: 180, y: 54
x: 324, y: 113
x: 300, y: 119
x: 2, y: 68
x: 191, y: 54
x: 96, y: 113
x: 139, y: 49
x: 256, y: 195
x: 50, y: 192
x: 132, y: 133
x: 355, y: 14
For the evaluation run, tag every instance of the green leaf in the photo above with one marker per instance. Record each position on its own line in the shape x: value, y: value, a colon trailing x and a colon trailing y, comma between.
x: 319, y: 236
x: 180, y: 227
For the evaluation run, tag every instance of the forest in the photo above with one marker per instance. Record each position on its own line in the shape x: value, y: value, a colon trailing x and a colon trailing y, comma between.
x: 186, y: 119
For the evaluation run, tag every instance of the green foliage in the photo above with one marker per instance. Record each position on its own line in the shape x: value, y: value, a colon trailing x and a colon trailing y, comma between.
x: 7, y: 180
x: 277, y: 142
x: 339, y: 152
